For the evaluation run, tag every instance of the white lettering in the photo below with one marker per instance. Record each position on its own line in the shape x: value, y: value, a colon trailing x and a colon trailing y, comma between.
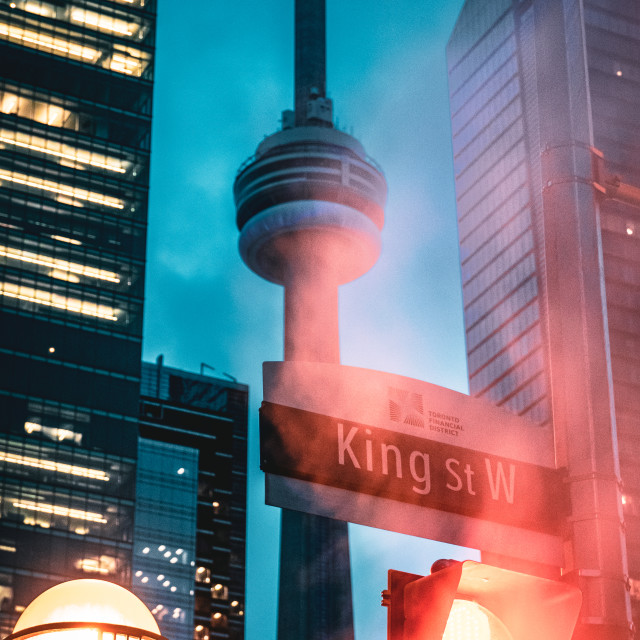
x: 425, y: 476
x: 369, y: 448
x: 384, y: 450
x: 501, y: 478
x: 469, y: 473
x: 458, y: 485
x: 345, y: 445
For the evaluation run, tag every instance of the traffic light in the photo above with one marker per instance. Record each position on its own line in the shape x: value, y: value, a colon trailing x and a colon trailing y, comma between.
x: 473, y: 601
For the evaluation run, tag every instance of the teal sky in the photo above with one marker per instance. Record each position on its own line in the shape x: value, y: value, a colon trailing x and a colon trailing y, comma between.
x: 224, y: 73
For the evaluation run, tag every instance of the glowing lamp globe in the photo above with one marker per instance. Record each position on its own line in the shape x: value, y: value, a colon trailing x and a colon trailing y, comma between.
x: 86, y: 610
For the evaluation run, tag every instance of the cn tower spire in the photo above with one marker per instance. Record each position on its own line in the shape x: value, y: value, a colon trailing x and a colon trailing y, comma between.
x: 310, y: 56
x: 310, y: 209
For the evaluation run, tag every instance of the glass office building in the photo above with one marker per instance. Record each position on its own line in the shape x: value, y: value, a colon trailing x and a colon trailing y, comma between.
x: 75, y: 110
x: 550, y: 266
x: 165, y: 534
x: 189, y: 549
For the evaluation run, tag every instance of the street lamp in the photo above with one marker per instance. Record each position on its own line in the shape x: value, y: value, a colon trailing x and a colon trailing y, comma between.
x: 86, y: 610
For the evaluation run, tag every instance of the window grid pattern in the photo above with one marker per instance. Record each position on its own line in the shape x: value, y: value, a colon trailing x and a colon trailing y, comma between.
x: 164, y: 547
x: 75, y: 125
x: 210, y: 416
x: 111, y: 38
x: 520, y: 273
x: 509, y: 332
x: 500, y: 287
x: 487, y: 252
x: 497, y: 269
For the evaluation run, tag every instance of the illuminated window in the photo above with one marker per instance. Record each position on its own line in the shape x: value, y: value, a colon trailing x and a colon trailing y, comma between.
x: 46, y: 42
x: 128, y: 60
x: 56, y: 301
x: 59, y: 266
x: 64, y: 193
x: 104, y: 23
x: 103, y: 565
x: 66, y: 240
x: 64, y: 153
x: 203, y: 575
x: 219, y: 592
x: 57, y: 510
x: 219, y: 620
x: 54, y: 433
x: 200, y: 633
x: 40, y: 8
x: 50, y: 465
x: 37, y: 110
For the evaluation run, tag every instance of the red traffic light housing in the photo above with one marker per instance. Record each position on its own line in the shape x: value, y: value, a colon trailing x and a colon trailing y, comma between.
x: 513, y: 606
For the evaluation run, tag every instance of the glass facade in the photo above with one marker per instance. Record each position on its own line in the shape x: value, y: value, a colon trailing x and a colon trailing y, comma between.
x: 207, y: 417
x: 498, y: 245
x: 75, y: 120
x: 165, y: 534
x: 505, y: 115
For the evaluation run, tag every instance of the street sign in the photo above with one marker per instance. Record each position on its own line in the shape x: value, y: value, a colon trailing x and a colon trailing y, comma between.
x: 391, y: 452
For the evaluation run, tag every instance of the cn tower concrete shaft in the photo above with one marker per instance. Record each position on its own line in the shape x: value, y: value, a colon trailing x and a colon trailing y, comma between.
x: 311, y: 332
x: 310, y: 209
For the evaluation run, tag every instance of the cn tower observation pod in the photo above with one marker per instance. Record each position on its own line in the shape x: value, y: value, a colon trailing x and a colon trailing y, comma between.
x: 310, y: 198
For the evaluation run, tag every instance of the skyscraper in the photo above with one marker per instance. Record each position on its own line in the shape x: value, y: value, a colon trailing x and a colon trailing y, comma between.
x: 540, y: 92
x: 75, y: 116
x: 190, y: 520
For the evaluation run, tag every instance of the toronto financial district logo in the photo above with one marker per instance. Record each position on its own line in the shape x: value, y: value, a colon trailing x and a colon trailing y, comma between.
x: 406, y: 407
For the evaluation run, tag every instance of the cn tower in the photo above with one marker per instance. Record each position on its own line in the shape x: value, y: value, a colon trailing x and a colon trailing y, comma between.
x: 310, y: 209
